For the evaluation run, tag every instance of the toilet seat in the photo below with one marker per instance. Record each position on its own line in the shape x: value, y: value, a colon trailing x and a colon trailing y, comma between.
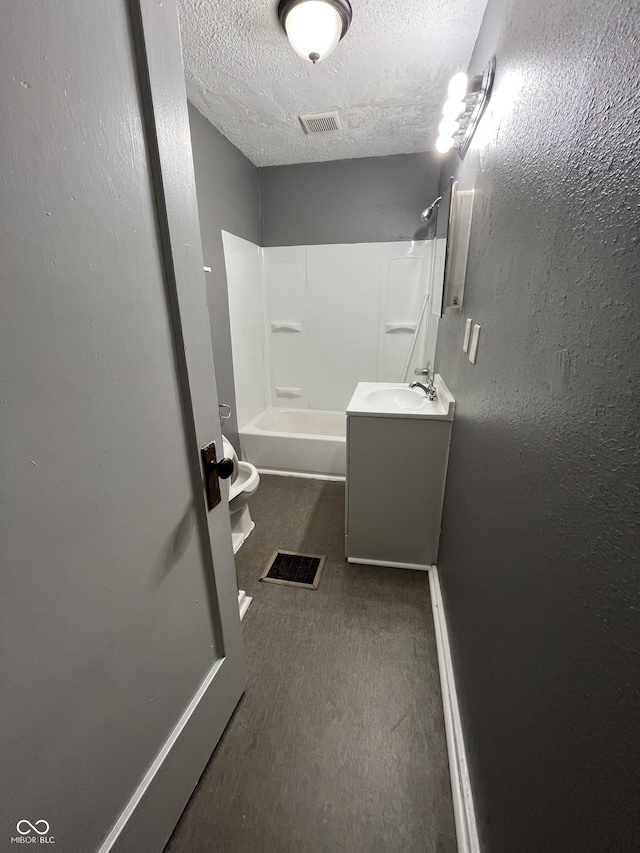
x: 245, y: 480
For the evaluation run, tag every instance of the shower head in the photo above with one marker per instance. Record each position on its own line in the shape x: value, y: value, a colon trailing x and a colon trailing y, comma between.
x: 427, y: 213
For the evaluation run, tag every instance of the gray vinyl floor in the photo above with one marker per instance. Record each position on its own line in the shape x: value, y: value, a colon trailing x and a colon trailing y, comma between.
x: 338, y: 744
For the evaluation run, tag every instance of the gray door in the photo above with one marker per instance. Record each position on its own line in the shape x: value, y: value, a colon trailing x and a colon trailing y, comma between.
x: 120, y: 640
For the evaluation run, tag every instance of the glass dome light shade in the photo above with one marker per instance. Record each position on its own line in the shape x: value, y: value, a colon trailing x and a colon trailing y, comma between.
x: 444, y: 144
x: 453, y: 108
x: 458, y: 86
x: 314, y: 28
x: 448, y: 127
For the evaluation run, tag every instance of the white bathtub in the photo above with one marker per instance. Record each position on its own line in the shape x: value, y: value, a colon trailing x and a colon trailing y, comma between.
x: 297, y: 441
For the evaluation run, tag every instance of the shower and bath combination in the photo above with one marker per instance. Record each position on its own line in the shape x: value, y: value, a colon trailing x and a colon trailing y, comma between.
x: 425, y: 217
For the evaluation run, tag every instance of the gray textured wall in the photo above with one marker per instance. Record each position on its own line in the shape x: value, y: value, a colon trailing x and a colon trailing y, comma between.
x: 229, y: 199
x: 540, y: 539
x: 347, y: 201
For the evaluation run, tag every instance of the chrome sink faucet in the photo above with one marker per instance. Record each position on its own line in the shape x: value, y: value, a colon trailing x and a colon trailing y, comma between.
x: 428, y: 387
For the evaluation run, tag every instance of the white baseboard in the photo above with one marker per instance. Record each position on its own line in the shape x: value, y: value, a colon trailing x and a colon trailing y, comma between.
x: 244, y: 601
x: 417, y: 567
x: 464, y: 812
x: 334, y: 478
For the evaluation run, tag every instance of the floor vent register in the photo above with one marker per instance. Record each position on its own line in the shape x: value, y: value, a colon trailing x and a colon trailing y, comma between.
x: 291, y: 568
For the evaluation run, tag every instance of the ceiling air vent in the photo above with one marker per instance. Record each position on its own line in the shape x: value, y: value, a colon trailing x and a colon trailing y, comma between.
x: 321, y: 123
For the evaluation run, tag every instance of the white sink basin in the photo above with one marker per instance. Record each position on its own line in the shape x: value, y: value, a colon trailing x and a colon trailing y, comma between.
x: 397, y: 400
x: 400, y: 396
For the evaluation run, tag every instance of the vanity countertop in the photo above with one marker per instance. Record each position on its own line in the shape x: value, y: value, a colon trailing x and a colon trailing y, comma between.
x: 397, y: 400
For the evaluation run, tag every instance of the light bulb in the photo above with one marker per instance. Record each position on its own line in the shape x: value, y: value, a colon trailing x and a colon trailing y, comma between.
x: 453, y: 108
x: 448, y: 127
x: 458, y: 86
x: 314, y: 29
x: 444, y: 144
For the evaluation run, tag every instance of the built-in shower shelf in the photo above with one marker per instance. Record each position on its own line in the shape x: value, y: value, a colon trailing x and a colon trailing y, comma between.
x: 286, y: 327
x: 288, y: 392
x: 400, y: 327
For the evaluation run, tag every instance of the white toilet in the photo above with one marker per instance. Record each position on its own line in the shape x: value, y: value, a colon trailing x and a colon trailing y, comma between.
x: 242, y: 486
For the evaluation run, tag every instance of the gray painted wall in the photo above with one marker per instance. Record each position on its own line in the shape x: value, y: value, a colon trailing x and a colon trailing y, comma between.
x: 539, y: 549
x: 229, y: 199
x: 367, y: 200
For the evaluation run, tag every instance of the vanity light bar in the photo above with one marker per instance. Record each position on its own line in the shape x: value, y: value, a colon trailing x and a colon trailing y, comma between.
x: 463, y: 109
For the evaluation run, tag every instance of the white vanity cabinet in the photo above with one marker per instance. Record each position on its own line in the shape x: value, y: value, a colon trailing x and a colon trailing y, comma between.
x: 397, y: 454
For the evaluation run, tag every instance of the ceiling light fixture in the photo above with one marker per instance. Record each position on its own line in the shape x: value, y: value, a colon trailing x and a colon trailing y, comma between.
x: 464, y: 108
x: 314, y: 27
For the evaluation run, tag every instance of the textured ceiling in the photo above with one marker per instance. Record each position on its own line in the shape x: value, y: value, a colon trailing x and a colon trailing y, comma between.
x: 387, y: 78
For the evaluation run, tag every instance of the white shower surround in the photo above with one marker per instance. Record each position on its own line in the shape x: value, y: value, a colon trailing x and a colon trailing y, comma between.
x: 243, y: 264
x: 339, y: 314
x: 310, y: 322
